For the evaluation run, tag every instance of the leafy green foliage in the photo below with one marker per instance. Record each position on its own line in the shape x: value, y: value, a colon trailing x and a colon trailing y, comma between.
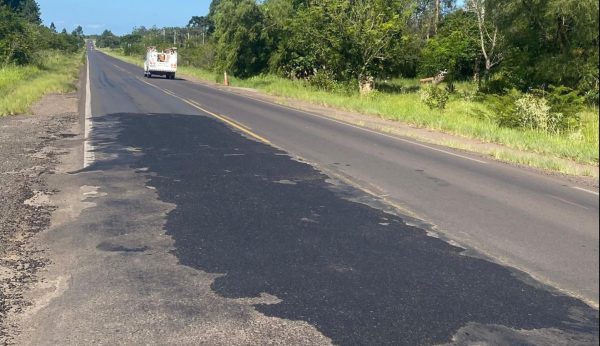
x: 22, y: 38
x: 108, y: 40
x: 556, y: 110
x: 434, y: 97
x: 534, y: 113
x: 567, y: 103
x: 241, y: 46
x: 16, y: 38
x: 318, y: 36
x: 549, y: 42
x: 455, y: 48
x: 29, y: 10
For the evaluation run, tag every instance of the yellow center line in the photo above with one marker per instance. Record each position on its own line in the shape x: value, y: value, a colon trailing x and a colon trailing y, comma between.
x: 222, y: 118
x: 236, y: 122
x: 245, y: 129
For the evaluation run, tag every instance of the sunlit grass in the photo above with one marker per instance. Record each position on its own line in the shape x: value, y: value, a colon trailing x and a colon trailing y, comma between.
x: 458, y: 118
x: 21, y: 86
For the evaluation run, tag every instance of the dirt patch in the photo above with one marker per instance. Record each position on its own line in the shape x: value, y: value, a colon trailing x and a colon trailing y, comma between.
x: 30, y: 149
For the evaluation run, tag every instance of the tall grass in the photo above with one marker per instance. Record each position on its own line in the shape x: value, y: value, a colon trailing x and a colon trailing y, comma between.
x: 21, y: 86
x: 459, y: 118
x: 400, y: 101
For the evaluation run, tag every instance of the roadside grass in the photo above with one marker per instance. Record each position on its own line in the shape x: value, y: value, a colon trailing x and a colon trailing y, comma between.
x: 398, y: 100
x: 118, y: 53
x: 21, y: 86
x: 459, y: 118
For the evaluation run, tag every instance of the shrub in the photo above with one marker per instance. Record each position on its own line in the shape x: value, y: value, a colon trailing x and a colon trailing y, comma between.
x: 434, y: 97
x: 535, y: 113
x: 567, y: 102
x: 555, y: 111
x: 503, y: 107
x: 323, y: 80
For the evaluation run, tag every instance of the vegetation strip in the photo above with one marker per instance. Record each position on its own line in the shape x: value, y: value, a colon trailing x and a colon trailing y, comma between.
x: 34, y: 60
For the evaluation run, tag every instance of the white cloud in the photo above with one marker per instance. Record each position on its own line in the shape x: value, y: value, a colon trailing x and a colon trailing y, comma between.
x: 93, y: 26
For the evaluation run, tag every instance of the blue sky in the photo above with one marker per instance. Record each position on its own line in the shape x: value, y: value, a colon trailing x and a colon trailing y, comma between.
x: 119, y: 16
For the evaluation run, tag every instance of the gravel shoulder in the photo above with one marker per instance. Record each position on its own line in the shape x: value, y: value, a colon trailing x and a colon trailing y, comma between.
x: 31, y: 150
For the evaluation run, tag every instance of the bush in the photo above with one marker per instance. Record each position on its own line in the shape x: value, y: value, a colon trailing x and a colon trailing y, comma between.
x: 533, y: 112
x: 567, y: 102
x: 547, y: 114
x: 557, y: 110
x: 434, y: 97
x: 323, y: 80
x: 499, y: 85
x: 202, y: 56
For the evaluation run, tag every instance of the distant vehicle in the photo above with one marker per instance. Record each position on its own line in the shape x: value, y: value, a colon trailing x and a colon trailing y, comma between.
x: 160, y: 63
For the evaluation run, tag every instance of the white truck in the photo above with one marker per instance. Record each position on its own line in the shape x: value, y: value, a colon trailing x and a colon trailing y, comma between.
x: 160, y: 63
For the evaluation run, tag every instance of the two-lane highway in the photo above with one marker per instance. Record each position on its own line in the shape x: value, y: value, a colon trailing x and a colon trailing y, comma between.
x: 542, y: 225
x: 193, y: 225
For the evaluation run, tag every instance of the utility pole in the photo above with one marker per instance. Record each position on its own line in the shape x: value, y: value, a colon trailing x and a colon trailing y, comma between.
x: 174, y: 38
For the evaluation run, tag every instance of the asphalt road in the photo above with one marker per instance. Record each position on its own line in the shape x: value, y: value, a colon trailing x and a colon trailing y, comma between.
x: 209, y: 226
x: 539, y: 224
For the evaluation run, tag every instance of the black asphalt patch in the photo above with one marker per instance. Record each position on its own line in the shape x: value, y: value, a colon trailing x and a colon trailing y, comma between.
x: 359, y: 275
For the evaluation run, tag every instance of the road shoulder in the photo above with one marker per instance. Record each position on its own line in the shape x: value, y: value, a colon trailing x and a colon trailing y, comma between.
x: 33, y: 149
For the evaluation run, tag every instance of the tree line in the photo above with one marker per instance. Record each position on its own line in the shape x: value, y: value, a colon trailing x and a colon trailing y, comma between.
x: 501, y: 44
x: 23, y: 37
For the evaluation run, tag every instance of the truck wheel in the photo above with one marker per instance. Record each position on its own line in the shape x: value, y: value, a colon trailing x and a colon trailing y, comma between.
x: 173, y: 75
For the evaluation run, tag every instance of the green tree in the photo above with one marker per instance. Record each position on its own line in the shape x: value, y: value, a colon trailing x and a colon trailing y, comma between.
x: 241, y: 47
x: 78, y: 32
x: 16, y: 38
x: 376, y: 25
x: 455, y: 48
x: 549, y: 42
x: 348, y: 40
x: 108, y: 40
x: 28, y: 9
x: 489, y: 36
x: 308, y: 42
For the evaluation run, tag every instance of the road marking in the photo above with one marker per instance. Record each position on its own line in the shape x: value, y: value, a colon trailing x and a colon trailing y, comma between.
x: 567, y: 202
x: 235, y: 121
x: 585, y: 190
x: 318, y: 116
x: 232, y: 123
x: 88, y: 149
x: 361, y: 128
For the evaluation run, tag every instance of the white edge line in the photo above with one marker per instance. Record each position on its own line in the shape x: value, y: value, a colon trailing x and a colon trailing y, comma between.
x: 364, y: 129
x: 586, y: 190
x: 88, y: 154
